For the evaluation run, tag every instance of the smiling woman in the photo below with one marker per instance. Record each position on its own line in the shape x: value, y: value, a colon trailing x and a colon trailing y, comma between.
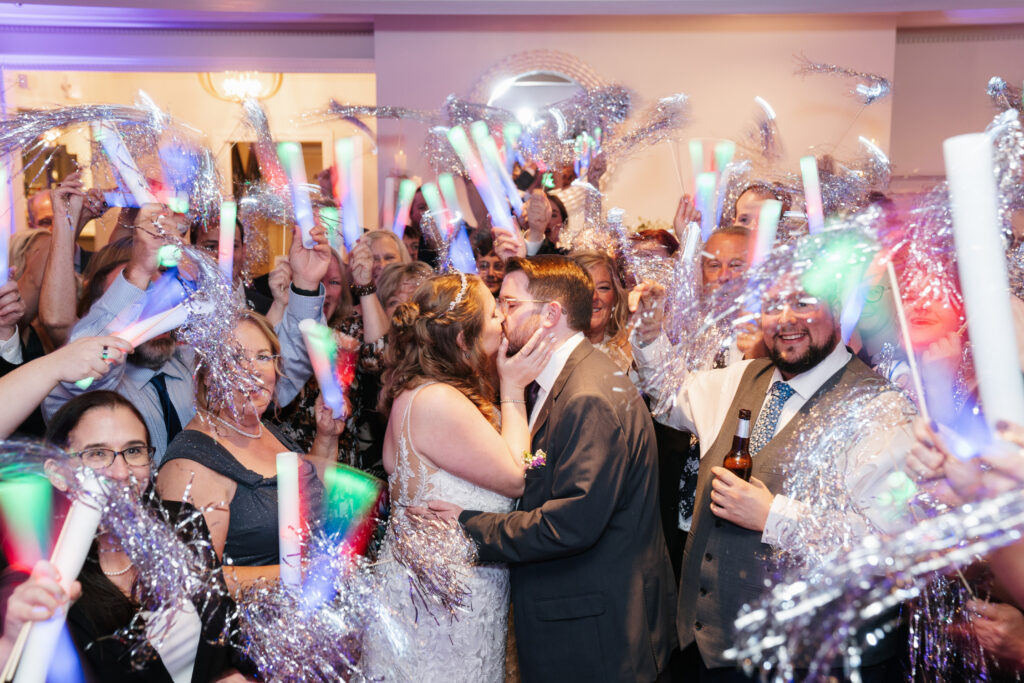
x: 104, y: 432
x: 225, y: 459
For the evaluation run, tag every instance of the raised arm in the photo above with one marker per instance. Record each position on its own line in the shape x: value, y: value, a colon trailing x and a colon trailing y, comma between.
x: 25, y: 387
x: 58, y: 293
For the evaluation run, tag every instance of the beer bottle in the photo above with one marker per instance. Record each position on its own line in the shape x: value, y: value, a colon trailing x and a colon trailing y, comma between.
x: 738, y: 460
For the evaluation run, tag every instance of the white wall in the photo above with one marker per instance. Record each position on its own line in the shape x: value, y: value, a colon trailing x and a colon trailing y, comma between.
x: 720, y: 62
x: 941, y: 76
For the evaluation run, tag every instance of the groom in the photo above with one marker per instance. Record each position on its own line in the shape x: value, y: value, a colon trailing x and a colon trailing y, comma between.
x: 592, y: 586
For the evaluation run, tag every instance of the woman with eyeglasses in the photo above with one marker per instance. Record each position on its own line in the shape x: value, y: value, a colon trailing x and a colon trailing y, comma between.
x: 103, y: 431
x: 225, y: 460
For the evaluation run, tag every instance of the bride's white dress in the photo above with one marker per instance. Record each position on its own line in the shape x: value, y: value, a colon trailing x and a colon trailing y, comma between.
x: 470, y: 648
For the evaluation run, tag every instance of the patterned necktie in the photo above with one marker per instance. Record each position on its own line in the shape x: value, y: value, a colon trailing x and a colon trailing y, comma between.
x: 768, y: 420
x: 170, y: 415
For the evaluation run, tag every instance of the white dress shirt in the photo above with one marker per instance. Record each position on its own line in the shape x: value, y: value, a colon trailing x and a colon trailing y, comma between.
x: 547, y: 377
x: 702, y: 403
x: 10, y: 349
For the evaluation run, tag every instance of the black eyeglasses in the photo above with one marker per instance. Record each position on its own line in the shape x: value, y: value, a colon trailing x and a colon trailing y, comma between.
x: 98, y: 458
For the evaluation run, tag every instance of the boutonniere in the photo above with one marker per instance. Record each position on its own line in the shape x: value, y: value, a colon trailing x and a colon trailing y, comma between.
x: 534, y: 460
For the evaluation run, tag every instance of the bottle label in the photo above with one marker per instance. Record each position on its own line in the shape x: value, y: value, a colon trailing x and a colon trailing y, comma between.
x: 743, y: 430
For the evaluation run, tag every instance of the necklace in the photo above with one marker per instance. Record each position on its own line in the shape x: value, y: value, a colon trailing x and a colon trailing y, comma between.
x: 235, y: 429
x: 120, y: 573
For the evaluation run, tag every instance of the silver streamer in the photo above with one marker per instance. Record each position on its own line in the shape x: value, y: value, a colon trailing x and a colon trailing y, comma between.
x: 1003, y: 95
x: 869, y: 89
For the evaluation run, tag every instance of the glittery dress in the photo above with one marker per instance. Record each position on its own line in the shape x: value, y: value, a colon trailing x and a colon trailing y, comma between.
x: 470, y: 648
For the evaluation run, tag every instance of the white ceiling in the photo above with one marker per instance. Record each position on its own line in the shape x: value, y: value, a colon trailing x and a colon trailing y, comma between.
x: 340, y: 13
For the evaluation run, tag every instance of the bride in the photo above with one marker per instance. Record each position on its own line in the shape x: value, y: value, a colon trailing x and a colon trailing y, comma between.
x: 445, y: 355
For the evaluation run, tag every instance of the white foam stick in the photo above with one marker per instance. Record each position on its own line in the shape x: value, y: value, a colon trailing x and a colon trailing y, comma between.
x: 289, y: 519
x: 175, y: 634
x: 901, y: 317
x: 121, y: 158
x: 767, y: 227
x: 983, y: 278
x: 387, y: 211
x: 68, y: 556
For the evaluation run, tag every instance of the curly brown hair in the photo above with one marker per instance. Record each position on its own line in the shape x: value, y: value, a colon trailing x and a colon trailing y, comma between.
x: 430, y: 340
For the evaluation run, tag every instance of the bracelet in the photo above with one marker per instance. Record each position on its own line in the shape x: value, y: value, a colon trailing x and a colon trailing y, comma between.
x: 364, y: 290
x: 512, y: 400
x: 305, y: 292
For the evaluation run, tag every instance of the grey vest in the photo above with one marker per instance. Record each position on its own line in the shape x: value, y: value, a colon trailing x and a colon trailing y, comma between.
x: 724, y: 565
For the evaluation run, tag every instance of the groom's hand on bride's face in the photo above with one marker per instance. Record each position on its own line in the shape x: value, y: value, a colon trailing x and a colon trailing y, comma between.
x: 444, y: 510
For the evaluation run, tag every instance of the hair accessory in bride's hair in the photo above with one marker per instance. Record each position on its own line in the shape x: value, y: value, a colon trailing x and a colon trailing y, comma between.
x: 462, y: 293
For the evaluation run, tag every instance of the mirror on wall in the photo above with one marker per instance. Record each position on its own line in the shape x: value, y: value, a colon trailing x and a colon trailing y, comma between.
x: 527, y: 92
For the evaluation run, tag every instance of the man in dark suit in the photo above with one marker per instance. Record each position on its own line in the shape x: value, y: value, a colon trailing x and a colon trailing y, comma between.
x: 592, y: 586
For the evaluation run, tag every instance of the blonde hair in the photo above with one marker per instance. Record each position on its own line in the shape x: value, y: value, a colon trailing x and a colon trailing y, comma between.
x: 20, y: 244
x: 202, y: 389
x: 377, y: 235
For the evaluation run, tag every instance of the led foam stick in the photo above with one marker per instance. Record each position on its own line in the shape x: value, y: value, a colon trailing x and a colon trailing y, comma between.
x: 493, y: 167
x: 387, y: 211
x: 40, y: 638
x: 724, y: 151
x: 446, y: 183
x: 812, y: 194
x: 706, y: 184
x: 406, y: 192
x: 290, y: 154
x: 983, y: 278
x: 5, y: 228
x: 323, y: 354
x: 437, y: 208
x: 26, y: 506
x: 500, y: 217
x: 767, y: 226
x: 356, y: 179
x: 122, y: 160
x: 511, y: 132
x: 696, y: 160
x: 289, y: 520
x: 226, y: 241
x: 330, y: 218
x: 350, y: 498
x: 344, y: 153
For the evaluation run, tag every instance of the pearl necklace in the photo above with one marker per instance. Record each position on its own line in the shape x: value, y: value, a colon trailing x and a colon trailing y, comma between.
x: 235, y: 429
x: 120, y: 573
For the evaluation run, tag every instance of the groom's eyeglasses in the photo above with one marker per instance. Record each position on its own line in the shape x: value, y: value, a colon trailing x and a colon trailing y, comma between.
x: 506, y: 303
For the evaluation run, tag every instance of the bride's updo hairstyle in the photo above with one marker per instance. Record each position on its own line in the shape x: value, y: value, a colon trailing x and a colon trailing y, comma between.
x: 424, y: 342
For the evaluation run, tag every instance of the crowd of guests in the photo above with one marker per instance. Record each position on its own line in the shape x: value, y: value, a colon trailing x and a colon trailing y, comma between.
x: 630, y: 541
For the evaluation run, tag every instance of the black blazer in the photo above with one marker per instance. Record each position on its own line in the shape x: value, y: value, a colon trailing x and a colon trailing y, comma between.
x: 592, y: 586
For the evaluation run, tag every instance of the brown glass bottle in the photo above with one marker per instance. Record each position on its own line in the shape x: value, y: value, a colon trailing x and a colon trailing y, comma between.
x: 738, y: 460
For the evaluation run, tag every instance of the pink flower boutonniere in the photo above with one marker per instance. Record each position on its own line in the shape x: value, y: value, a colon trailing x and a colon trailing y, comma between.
x: 534, y: 460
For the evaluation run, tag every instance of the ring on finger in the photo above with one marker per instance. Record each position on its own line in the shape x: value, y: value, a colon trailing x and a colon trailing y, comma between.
x: 106, y: 352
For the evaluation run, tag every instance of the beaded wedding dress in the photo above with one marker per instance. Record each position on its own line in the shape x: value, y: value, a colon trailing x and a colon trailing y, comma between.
x: 414, y: 644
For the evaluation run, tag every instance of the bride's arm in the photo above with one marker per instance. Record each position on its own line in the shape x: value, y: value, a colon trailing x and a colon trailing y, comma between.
x: 447, y: 429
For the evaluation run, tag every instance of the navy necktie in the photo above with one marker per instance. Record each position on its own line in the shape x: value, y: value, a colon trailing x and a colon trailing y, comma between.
x: 532, y: 390
x: 171, y: 421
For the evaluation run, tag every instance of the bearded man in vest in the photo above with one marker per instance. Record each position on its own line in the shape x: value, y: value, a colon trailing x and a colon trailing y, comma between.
x: 736, y: 524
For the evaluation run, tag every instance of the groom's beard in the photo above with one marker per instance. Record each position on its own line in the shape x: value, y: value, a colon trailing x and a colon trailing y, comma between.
x: 518, y: 337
